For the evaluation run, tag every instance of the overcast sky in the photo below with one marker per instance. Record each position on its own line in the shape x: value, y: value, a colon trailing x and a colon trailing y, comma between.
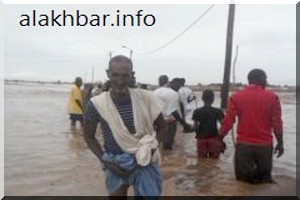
x: 265, y: 34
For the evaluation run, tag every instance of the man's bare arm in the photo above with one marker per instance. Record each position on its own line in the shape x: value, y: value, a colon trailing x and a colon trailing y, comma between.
x: 79, y: 104
x: 89, y: 136
x: 182, y: 109
x: 279, y: 149
x: 160, y: 127
x: 277, y: 126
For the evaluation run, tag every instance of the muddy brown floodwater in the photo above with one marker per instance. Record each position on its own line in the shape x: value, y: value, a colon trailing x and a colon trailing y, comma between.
x: 44, y: 157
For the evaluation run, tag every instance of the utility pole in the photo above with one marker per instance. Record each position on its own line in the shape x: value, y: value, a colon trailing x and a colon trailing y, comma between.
x: 226, y: 78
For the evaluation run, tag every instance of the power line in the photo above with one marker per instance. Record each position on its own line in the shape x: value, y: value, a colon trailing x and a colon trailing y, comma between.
x: 161, y: 21
x: 180, y: 34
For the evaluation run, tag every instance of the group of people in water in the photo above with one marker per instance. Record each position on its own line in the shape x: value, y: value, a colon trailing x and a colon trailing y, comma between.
x: 135, y: 121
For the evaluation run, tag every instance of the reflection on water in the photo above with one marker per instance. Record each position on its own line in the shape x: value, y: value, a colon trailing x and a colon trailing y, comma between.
x: 44, y: 157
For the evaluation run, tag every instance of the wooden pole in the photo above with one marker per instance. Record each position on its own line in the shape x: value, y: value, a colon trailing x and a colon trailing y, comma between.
x: 233, y: 82
x: 228, y: 53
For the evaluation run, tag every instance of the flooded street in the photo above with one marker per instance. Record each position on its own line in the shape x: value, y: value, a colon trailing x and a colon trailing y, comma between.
x: 44, y: 157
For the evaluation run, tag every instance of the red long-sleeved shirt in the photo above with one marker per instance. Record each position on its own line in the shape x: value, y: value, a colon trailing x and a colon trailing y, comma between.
x: 259, y: 113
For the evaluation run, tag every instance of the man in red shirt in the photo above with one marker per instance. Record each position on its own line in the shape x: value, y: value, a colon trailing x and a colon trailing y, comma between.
x: 259, y: 113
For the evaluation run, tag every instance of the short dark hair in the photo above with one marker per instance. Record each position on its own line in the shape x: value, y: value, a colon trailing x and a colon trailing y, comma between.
x: 208, y: 96
x: 163, y: 79
x: 257, y: 76
x: 182, y: 81
x: 78, y: 79
x: 176, y: 80
x: 120, y: 58
x: 175, y: 83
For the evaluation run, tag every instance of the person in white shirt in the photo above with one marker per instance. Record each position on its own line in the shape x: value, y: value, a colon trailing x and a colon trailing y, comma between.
x: 167, y: 93
x: 188, y: 101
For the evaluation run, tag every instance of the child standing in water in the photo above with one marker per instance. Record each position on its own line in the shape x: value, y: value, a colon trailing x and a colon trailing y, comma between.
x: 205, y: 119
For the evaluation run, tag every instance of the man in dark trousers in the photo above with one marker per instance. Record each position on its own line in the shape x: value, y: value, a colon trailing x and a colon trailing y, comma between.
x: 167, y: 93
x: 259, y: 113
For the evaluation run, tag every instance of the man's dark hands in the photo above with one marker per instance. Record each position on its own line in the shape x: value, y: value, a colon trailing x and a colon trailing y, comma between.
x: 187, y: 128
x: 223, y: 146
x: 114, y: 168
x: 279, y: 150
